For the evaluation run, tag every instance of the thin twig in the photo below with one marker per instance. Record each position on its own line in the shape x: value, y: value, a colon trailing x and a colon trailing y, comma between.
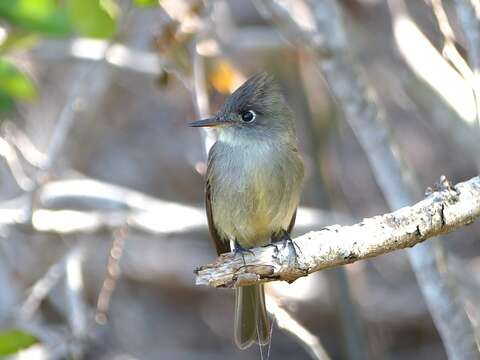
x: 305, y: 338
x: 42, y: 288
x: 76, y: 306
x: 200, y: 96
x: 74, y: 289
x: 23, y: 144
x: 66, y: 119
x: 10, y: 156
x: 113, y: 273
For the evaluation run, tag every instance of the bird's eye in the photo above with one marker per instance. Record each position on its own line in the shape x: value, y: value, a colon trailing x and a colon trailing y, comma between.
x: 249, y: 116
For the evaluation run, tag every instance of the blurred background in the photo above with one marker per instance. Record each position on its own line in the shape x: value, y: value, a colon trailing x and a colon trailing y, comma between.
x: 101, y: 181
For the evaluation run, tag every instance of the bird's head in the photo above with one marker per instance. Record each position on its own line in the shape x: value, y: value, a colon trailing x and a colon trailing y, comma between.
x: 256, y: 109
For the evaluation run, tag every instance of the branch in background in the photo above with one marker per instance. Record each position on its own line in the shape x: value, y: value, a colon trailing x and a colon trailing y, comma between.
x: 427, y: 64
x: 251, y: 38
x: 441, y: 212
x: 340, y: 290
x: 77, y: 308
x: 15, y: 166
x: 200, y: 95
x: 113, y: 273
x: 286, y: 322
x: 450, y: 83
x: 22, y: 143
x: 42, y: 288
x: 89, y: 206
x: 449, y: 49
x: 469, y: 18
x: 66, y: 118
x: 373, y: 133
x: 296, y: 20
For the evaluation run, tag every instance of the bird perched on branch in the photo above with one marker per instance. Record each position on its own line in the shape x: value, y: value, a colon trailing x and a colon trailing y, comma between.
x: 253, y: 187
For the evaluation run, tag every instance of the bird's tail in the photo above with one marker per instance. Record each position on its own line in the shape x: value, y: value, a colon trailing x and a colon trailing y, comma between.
x: 251, y: 319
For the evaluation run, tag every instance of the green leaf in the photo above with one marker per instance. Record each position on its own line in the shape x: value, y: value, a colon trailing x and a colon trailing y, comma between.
x: 93, y: 18
x: 6, y: 103
x: 44, y: 16
x: 143, y: 3
x: 14, y: 83
x: 14, y: 340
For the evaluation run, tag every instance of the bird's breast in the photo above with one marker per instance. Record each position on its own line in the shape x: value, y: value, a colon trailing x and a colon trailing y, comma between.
x: 255, y: 191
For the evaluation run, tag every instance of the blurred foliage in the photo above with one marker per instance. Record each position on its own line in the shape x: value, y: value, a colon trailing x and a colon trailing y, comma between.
x: 14, y: 340
x: 44, y: 16
x: 17, y: 40
x: 93, y: 18
x: 142, y: 3
x: 14, y: 84
x: 24, y: 22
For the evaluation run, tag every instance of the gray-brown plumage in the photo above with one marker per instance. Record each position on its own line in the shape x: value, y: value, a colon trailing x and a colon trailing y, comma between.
x: 254, y: 180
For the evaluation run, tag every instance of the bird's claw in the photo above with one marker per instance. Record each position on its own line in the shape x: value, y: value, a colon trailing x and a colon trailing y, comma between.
x: 241, y: 250
x: 287, y: 241
x: 276, y: 248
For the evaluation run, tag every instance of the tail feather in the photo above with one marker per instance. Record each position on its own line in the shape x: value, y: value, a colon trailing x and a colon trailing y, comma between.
x: 251, y: 319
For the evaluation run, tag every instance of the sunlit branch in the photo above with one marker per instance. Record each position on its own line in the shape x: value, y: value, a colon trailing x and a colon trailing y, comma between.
x: 89, y: 206
x: 441, y: 212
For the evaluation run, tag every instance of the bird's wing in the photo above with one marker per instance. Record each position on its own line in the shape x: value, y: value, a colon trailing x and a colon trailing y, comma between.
x: 292, y: 222
x: 221, y: 245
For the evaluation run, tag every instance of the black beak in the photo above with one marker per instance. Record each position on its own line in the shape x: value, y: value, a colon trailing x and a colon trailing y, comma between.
x: 210, y: 122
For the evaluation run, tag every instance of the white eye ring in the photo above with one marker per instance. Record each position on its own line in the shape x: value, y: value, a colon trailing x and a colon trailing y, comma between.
x: 249, y: 116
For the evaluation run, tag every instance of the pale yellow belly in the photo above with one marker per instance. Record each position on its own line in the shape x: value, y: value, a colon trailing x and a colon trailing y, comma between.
x: 255, y: 190
x: 264, y: 207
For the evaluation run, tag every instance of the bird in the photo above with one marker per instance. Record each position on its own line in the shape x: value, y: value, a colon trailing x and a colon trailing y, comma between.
x: 253, y: 186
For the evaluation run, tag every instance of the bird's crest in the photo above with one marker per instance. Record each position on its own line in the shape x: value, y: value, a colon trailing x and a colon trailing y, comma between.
x: 257, y: 93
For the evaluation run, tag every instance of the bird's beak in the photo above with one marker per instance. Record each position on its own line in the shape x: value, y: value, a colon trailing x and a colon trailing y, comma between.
x: 210, y: 122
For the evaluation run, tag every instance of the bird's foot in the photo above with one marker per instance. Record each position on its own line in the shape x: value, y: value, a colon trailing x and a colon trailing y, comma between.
x: 239, y: 249
x: 287, y: 241
x: 275, y: 246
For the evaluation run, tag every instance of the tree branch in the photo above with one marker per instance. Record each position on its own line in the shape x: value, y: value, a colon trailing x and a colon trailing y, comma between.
x: 440, y: 212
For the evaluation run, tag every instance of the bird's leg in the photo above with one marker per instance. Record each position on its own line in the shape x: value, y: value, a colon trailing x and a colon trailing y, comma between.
x: 287, y: 241
x: 239, y: 249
